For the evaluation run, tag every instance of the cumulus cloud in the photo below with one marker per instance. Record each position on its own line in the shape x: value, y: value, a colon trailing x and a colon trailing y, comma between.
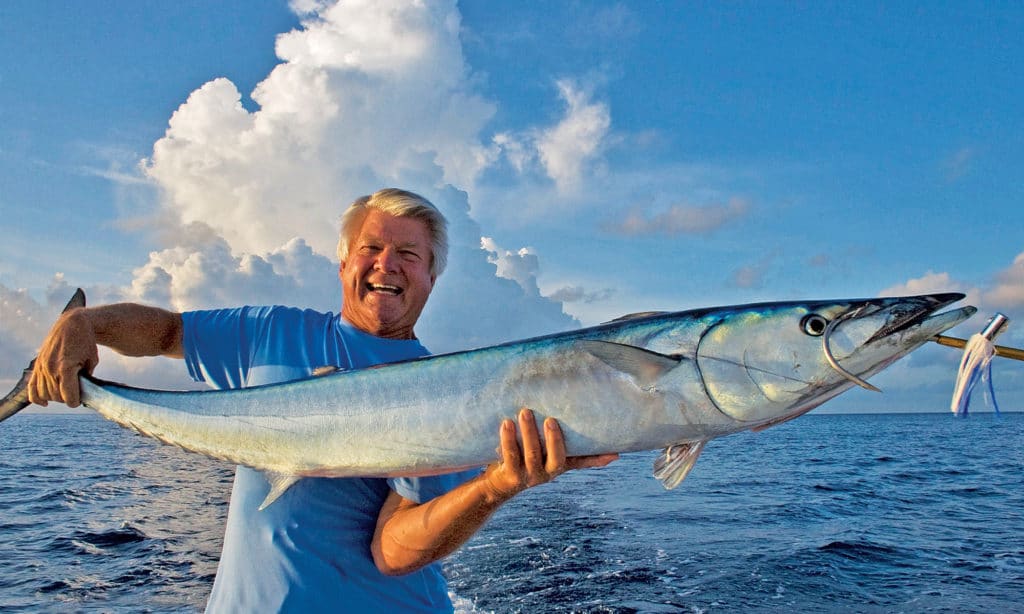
x: 366, y: 91
x: 577, y: 139
x: 206, y: 274
x: 566, y: 149
x: 1005, y: 295
x: 1008, y: 291
x: 682, y: 219
x: 368, y: 95
x: 25, y: 321
x: 521, y: 266
x: 928, y: 283
x: 579, y: 294
x: 932, y: 282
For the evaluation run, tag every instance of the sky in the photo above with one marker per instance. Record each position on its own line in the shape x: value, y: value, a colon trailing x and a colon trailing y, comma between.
x: 594, y: 159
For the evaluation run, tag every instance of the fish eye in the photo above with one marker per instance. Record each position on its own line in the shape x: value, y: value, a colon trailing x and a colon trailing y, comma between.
x: 814, y: 325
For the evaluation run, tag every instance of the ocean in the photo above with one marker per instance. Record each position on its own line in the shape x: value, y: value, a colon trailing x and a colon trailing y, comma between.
x: 827, y: 513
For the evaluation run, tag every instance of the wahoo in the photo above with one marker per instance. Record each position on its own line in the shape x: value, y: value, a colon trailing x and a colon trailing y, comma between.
x: 642, y: 382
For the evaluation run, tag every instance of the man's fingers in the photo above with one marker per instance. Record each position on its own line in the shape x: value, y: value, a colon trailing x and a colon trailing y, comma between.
x: 50, y: 390
x: 554, y: 463
x: 36, y: 392
x: 589, y: 462
x: 533, y: 453
x: 69, y: 390
x: 511, y: 456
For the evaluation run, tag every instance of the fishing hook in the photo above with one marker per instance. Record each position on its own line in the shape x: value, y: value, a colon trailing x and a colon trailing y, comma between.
x: 832, y: 359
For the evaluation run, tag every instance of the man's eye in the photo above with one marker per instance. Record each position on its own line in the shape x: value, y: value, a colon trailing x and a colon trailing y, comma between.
x: 408, y: 254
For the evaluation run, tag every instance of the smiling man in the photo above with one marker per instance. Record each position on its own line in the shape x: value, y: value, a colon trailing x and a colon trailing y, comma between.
x: 352, y: 544
x: 388, y: 266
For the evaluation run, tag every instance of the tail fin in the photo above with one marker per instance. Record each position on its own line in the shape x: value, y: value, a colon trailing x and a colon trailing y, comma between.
x: 17, y: 399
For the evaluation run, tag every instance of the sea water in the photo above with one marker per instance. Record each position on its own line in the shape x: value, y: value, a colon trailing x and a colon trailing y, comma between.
x: 845, y: 513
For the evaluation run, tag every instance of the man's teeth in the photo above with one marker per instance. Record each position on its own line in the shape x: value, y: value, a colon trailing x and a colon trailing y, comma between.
x: 384, y: 288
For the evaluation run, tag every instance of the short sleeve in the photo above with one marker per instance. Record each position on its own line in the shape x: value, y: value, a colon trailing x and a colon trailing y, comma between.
x: 218, y: 344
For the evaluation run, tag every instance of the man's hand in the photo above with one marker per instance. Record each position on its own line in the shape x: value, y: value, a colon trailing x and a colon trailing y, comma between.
x: 69, y: 348
x: 533, y: 463
x: 410, y: 535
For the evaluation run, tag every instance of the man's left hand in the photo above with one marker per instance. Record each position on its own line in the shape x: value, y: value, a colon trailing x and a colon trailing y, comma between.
x: 534, y: 462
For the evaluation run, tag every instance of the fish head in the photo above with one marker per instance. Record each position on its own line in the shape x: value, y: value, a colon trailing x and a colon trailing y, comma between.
x: 765, y: 364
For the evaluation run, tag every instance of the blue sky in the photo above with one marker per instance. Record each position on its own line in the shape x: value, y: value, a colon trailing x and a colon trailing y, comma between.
x: 616, y: 156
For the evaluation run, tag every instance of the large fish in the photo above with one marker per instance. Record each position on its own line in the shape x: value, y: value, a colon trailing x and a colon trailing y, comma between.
x: 648, y: 381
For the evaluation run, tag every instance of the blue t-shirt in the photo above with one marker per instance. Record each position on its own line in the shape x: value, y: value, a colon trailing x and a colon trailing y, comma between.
x: 309, y: 551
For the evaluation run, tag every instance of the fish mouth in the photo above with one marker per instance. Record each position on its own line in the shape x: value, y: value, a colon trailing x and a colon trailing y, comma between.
x: 909, y: 323
x: 926, y: 313
x: 384, y: 289
x: 914, y: 312
x: 928, y: 321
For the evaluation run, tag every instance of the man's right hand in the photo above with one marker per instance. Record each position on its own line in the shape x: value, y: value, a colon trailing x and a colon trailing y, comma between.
x: 127, y: 328
x: 69, y: 348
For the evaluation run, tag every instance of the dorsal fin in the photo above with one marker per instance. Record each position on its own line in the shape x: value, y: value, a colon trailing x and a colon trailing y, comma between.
x: 636, y: 316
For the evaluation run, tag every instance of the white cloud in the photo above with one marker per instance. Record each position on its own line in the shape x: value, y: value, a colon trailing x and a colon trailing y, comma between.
x: 682, y: 219
x: 369, y: 94
x: 932, y: 282
x: 1006, y: 296
x: 927, y: 283
x: 579, y: 294
x: 207, y: 275
x: 577, y: 139
x: 24, y: 322
x: 521, y: 266
x: 367, y: 91
x: 566, y: 150
x: 1009, y: 288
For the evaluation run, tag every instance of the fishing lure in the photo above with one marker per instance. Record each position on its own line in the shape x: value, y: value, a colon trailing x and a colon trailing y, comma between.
x: 976, y: 365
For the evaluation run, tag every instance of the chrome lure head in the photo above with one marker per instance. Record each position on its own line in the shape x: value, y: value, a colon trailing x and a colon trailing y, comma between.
x: 762, y: 364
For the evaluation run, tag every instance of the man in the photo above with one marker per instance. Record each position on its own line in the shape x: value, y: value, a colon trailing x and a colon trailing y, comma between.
x: 326, y: 544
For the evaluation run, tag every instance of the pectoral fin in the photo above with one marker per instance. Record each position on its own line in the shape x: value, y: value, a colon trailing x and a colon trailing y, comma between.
x: 675, y: 463
x: 279, y: 483
x: 644, y: 365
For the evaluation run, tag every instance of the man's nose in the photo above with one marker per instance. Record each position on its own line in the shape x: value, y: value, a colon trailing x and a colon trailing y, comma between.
x: 387, y: 260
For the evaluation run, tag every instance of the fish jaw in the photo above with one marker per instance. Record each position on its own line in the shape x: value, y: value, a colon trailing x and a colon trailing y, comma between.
x: 765, y: 366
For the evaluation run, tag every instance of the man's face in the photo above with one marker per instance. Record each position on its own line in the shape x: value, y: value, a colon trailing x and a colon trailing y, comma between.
x: 386, y: 278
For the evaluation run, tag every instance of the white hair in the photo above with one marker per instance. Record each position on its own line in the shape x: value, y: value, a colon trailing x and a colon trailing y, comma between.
x: 398, y: 203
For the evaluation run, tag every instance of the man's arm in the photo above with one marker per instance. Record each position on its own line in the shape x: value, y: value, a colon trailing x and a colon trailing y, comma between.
x: 411, y: 535
x: 70, y: 347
